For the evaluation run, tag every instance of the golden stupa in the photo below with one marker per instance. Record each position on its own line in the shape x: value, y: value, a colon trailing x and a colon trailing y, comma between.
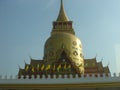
x: 63, y: 44
x: 63, y: 66
x: 63, y: 53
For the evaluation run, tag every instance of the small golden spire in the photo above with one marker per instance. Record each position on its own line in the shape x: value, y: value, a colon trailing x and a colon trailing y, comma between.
x: 62, y: 15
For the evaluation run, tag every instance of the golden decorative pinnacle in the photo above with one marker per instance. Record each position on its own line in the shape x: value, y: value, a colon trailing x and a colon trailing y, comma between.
x: 62, y: 14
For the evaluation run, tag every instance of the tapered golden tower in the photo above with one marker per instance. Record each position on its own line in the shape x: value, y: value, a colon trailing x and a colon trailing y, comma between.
x: 63, y: 54
x: 63, y: 44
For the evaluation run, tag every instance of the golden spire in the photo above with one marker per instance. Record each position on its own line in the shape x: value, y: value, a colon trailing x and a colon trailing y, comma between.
x: 62, y: 15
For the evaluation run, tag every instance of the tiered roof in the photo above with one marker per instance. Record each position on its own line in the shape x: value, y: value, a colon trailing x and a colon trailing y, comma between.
x: 92, y: 66
x: 39, y: 67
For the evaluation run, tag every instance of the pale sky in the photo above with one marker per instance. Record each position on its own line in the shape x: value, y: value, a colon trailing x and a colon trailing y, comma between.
x: 25, y: 25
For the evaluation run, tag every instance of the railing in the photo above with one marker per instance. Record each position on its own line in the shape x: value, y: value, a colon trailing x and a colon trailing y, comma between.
x: 59, y: 76
x: 60, y: 79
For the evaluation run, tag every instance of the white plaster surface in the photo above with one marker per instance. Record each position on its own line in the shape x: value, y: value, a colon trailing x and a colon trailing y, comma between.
x: 80, y: 80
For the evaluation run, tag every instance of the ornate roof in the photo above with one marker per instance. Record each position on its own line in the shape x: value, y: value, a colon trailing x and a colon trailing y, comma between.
x: 35, y: 62
x: 62, y: 67
x: 90, y: 62
x: 92, y: 66
x: 40, y: 67
x: 106, y: 69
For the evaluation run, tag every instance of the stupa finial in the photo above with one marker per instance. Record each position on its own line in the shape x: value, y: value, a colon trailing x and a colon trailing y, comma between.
x: 62, y: 14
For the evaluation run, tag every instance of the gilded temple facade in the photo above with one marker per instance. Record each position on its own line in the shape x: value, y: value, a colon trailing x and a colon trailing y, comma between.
x: 63, y: 53
x: 63, y: 66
